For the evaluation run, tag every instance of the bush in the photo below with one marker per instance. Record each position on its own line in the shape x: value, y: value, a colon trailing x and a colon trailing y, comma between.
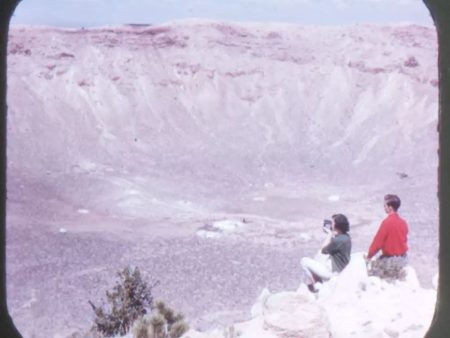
x: 411, y: 62
x: 163, y: 323
x: 231, y: 332
x: 129, y: 300
x: 141, y: 327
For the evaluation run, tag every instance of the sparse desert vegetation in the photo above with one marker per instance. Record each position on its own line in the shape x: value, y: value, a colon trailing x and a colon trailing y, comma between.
x: 130, y: 305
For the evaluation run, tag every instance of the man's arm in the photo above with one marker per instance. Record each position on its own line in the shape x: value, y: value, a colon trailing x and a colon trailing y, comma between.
x: 378, y: 240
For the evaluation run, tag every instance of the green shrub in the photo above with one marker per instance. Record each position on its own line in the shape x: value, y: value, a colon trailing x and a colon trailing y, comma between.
x: 231, y: 332
x: 129, y: 300
x: 141, y: 327
x: 163, y: 323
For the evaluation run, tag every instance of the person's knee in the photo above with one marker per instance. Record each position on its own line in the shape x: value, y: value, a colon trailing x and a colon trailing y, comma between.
x: 304, y: 262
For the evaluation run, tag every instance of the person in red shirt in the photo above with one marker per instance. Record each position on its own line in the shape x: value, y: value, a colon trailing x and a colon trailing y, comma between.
x: 392, y: 240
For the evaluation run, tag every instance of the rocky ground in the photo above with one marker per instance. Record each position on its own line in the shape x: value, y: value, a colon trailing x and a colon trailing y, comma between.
x: 127, y: 144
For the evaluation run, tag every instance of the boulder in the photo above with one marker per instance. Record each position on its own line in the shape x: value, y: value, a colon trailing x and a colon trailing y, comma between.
x: 290, y: 314
x: 435, y: 281
x: 258, y: 307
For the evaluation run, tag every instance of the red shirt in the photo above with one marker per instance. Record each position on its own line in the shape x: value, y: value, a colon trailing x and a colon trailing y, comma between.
x: 391, y: 237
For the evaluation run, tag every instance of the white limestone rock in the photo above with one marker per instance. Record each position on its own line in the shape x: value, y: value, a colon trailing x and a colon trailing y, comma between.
x: 258, y: 307
x: 228, y: 226
x: 289, y: 314
x: 435, y: 281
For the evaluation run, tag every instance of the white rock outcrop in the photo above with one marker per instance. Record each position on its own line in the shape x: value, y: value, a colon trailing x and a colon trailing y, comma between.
x: 351, y: 304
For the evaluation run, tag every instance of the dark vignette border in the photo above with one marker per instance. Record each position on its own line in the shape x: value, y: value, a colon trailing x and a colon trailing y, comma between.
x: 440, y: 12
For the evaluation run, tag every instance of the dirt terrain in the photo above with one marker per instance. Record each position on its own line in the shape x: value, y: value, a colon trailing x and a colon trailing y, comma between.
x: 126, y: 145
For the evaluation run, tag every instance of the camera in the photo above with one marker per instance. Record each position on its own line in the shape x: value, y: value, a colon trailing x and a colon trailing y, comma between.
x: 327, y: 224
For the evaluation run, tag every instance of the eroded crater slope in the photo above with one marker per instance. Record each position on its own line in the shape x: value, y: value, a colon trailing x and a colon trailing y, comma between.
x: 115, y: 134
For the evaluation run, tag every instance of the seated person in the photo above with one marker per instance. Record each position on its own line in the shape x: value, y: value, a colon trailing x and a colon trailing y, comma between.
x: 392, y: 240
x: 337, y: 246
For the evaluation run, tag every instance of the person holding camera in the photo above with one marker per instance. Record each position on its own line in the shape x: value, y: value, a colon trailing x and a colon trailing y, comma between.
x: 337, y: 247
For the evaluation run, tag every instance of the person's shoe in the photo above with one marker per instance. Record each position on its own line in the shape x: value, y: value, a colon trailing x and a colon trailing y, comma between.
x: 312, y: 288
x: 317, y: 279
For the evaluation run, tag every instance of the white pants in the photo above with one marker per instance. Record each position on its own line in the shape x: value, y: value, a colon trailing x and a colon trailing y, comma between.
x: 311, y: 266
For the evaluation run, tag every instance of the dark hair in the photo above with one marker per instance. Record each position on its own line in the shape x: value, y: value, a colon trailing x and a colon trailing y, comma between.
x: 392, y: 201
x: 341, y: 223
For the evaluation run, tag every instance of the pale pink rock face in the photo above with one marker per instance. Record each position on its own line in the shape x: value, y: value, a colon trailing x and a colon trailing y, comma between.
x: 124, y: 142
